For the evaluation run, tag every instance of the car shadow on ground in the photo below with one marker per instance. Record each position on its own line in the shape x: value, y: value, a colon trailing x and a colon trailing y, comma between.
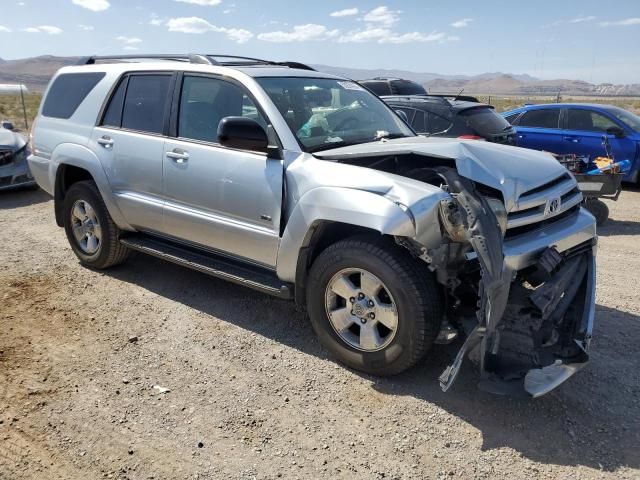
x: 22, y: 197
x: 619, y: 227
x: 554, y: 429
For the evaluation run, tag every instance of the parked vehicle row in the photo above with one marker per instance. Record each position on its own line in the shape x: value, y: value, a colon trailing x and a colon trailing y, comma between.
x: 307, y: 186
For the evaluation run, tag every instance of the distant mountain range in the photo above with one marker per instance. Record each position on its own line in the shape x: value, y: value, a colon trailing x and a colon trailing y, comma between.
x: 35, y: 73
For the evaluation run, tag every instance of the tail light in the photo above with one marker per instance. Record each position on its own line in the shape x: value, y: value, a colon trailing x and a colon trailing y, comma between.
x: 470, y: 137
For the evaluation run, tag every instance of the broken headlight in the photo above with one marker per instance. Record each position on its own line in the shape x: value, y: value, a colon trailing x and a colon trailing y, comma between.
x: 497, y: 206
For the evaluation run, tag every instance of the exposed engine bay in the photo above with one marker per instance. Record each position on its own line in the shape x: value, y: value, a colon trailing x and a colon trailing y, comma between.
x: 526, y: 330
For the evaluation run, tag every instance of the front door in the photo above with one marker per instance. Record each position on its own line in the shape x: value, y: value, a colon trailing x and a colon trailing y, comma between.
x: 584, y: 131
x: 220, y: 198
x: 129, y: 142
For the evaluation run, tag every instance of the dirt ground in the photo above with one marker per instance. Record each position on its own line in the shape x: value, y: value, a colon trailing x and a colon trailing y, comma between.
x: 252, y: 394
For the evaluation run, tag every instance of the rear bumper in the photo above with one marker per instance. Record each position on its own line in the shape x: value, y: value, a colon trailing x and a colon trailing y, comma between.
x: 39, y: 168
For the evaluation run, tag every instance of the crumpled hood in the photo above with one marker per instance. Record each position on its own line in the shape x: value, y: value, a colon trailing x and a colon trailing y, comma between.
x: 10, y: 140
x: 511, y: 170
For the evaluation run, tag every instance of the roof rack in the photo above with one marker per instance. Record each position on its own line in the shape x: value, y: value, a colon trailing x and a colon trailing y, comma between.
x: 202, y: 59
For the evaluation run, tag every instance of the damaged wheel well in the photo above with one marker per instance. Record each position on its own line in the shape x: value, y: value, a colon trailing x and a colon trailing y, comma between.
x: 320, y: 236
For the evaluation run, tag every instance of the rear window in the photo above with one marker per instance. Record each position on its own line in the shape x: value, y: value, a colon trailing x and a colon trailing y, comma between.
x: 406, y: 87
x: 378, y: 87
x: 67, y: 93
x: 547, y: 118
x: 485, y: 121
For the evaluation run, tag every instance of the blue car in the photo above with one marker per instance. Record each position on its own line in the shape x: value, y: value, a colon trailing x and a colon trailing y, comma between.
x: 567, y: 128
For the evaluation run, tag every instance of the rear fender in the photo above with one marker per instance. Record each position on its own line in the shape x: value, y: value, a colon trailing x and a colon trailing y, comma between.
x: 81, y: 157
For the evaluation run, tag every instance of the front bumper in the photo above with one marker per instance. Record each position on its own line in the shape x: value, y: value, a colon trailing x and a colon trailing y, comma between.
x: 16, y: 174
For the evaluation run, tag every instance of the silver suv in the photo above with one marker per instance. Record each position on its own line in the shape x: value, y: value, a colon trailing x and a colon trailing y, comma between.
x: 305, y: 185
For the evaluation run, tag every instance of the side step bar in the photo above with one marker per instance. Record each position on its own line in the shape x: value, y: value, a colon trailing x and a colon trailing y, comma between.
x: 218, y: 266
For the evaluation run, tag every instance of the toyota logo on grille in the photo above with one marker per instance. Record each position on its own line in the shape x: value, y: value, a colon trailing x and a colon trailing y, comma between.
x: 553, y: 206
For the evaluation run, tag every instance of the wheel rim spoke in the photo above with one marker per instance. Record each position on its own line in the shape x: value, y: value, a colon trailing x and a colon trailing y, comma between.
x: 342, y: 319
x: 92, y: 243
x: 369, y: 284
x: 343, y: 287
x: 78, y: 232
x: 78, y: 212
x: 387, y: 315
x: 369, y: 336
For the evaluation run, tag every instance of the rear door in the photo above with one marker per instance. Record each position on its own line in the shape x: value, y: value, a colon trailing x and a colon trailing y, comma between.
x: 129, y: 141
x: 218, y: 197
x: 539, y: 129
x: 584, y: 129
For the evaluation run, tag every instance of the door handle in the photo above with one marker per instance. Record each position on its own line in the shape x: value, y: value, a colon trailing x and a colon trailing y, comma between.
x: 521, y: 136
x: 179, y: 156
x: 105, y: 141
x: 572, y: 139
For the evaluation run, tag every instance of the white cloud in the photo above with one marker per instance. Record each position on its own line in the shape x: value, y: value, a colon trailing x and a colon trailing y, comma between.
x: 4, y: 29
x: 94, y: 5
x: 129, y: 48
x: 385, y: 35
x: 156, y: 21
x: 129, y: 40
x: 202, y: 3
x: 463, y: 22
x: 345, y: 13
x: 86, y: 28
x: 300, y: 33
x: 21, y: 4
x: 200, y: 25
x: 622, y: 23
x: 582, y: 19
x: 49, y: 29
x: 382, y: 15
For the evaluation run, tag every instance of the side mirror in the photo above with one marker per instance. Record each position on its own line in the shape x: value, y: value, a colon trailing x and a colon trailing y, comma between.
x: 242, y: 133
x: 616, y: 131
x: 403, y: 116
x: 7, y: 125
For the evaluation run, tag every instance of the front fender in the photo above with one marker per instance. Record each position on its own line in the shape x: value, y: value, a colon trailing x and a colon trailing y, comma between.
x: 336, y: 204
x: 79, y: 156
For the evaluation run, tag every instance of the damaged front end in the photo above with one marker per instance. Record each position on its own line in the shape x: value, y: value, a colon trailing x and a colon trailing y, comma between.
x: 532, y: 326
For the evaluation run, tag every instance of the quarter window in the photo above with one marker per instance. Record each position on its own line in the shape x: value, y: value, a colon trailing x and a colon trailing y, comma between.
x: 544, y: 118
x: 205, y: 101
x: 585, y: 120
x: 438, y: 124
x: 67, y: 93
x: 113, y: 114
x: 145, y: 102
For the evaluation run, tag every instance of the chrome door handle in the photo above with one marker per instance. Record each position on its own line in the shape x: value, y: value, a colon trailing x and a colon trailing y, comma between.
x: 572, y: 139
x: 105, y: 141
x: 180, y: 156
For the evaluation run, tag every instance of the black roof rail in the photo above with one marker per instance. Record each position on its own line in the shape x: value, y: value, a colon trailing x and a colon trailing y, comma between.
x: 196, y: 58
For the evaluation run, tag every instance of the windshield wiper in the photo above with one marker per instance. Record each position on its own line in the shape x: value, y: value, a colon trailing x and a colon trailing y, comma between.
x: 391, y: 136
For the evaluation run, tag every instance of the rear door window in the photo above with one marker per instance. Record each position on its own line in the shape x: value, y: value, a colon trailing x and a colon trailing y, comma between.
x: 543, y: 118
x: 485, y: 121
x: 512, y: 118
x: 146, y: 101
x: 67, y: 93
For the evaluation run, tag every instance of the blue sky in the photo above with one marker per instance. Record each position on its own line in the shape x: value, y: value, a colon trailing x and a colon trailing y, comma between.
x: 589, y: 40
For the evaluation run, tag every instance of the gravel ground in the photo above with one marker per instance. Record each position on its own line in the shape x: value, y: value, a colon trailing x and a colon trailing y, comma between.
x: 252, y: 395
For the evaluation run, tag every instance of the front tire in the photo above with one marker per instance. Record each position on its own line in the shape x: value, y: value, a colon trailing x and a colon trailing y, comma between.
x: 91, y: 232
x: 598, y: 209
x: 372, y: 305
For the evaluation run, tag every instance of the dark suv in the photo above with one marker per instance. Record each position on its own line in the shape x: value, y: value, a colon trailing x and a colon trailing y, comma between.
x: 453, y: 117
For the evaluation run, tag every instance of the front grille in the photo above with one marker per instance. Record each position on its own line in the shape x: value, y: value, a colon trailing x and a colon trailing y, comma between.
x: 548, y: 202
x: 6, y: 157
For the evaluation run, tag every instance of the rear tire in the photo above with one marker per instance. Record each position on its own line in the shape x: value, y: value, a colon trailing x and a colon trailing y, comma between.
x: 91, y: 232
x: 386, y: 343
x: 598, y: 209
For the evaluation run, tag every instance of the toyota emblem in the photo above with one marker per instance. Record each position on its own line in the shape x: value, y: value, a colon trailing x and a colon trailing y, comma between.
x: 553, y: 206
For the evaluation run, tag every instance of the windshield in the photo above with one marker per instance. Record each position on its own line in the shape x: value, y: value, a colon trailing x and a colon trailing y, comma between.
x: 485, y: 121
x: 630, y: 119
x: 326, y: 113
